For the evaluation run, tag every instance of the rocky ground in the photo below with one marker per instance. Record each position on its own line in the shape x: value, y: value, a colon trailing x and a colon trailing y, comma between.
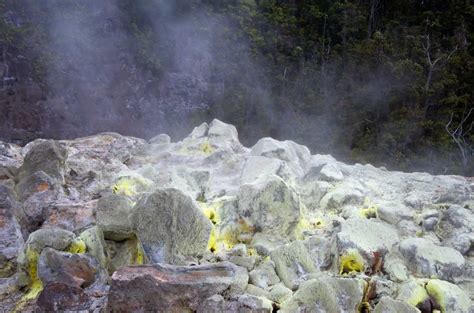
x: 118, y: 224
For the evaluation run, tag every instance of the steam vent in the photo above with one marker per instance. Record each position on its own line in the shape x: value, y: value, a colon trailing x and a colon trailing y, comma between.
x: 109, y: 223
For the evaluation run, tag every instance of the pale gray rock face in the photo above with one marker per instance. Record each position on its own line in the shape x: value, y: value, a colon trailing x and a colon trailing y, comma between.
x: 326, y: 295
x: 292, y: 262
x: 169, y: 223
x: 367, y: 236
x: 270, y: 205
x: 389, y: 305
x: 429, y: 259
x: 113, y: 217
x: 290, y: 219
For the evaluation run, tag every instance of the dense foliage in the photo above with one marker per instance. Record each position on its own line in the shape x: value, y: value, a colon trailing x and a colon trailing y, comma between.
x: 372, y: 81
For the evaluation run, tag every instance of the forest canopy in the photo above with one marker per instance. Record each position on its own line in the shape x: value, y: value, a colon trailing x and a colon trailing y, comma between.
x: 389, y: 83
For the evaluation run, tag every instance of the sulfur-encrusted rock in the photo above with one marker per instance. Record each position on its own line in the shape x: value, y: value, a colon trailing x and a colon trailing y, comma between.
x: 169, y: 223
x: 326, y: 294
x: 80, y: 270
x: 389, y: 305
x: 429, y: 259
x: 448, y: 296
x: 292, y: 262
x: 367, y: 236
x: 95, y: 244
x: 269, y: 205
x: 162, y: 287
x: 113, y: 217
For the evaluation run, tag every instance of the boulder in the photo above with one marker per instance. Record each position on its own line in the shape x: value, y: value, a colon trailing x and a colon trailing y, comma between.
x: 79, y: 270
x: 264, y: 275
x: 162, y: 287
x: 429, y: 259
x: 95, y: 244
x: 48, y: 156
x: 258, y: 166
x: 389, y: 305
x: 249, y: 303
x: 56, y: 238
x: 326, y: 294
x: 296, y: 155
x: 269, y: 205
x: 61, y: 297
x: 448, y: 296
x: 160, y: 139
x: 348, y: 192
x: 11, y: 240
x: 169, y: 223
x: 279, y: 293
x: 367, y: 236
x: 113, y: 217
x: 292, y: 262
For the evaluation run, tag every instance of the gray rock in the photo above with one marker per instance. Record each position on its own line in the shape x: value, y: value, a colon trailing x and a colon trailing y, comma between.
x: 279, y: 293
x: 265, y: 243
x: 249, y: 303
x: 160, y: 139
x: 389, y: 305
x: 269, y: 205
x: 412, y: 292
x: 348, y: 192
x: 292, y: 262
x: 113, y: 217
x: 326, y: 294
x: 330, y: 173
x: 429, y: 259
x: 367, y: 236
x: 264, y: 275
x: 259, y: 166
x: 213, y: 304
x: 169, y: 223
x: 48, y: 156
x: 56, y: 238
x: 287, y: 151
x: 11, y: 240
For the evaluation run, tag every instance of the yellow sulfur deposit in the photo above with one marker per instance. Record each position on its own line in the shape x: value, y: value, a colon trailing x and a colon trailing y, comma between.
x: 139, y: 255
x: 369, y: 210
x: 418, y: 296
x: 308, y: 224
x: 130, y: 185
x: 351, y: 261
x: 77, y: 246
x: 206, y: 148
x: 35, y: 286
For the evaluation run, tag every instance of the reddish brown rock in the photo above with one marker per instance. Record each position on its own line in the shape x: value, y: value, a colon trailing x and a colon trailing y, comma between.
x: 79, y: 270
x: 170, y: 288
x: 73, y: 217
x: 60, y: 297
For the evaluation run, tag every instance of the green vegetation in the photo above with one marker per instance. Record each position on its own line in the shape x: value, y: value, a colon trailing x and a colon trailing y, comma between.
x: 385, y: 77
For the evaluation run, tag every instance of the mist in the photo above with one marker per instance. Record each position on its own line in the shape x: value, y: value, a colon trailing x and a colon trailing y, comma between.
x: 142, y: 68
